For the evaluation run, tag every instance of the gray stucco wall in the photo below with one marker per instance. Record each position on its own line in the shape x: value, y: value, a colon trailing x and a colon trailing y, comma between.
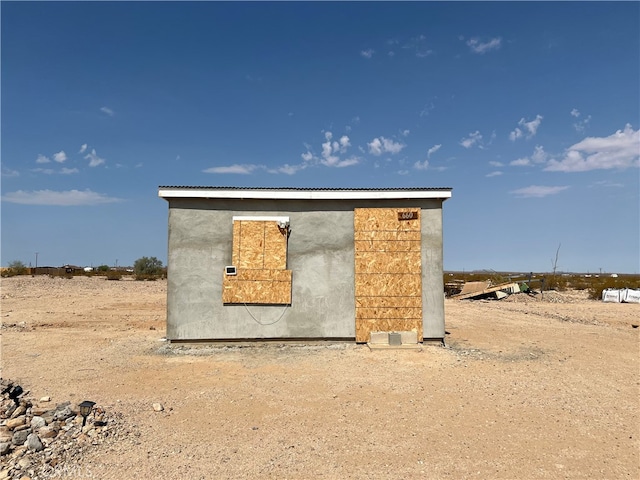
x: 320, y: 255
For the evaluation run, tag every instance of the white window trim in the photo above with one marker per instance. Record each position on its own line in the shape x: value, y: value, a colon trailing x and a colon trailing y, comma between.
x: 258, y: 218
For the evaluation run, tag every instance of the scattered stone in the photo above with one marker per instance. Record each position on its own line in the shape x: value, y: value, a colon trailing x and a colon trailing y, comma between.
x: 45, y: 399
x: 37, y: 422
x: 20, y: 437
x: 20, y: 410
x: 47, y: 432
x: 16, y: 422
x: 34, y: 443
x: 63, y: 413
x: 158, y: 407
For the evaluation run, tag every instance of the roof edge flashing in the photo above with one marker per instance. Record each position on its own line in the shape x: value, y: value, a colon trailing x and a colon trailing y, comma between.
x: 303, y: 194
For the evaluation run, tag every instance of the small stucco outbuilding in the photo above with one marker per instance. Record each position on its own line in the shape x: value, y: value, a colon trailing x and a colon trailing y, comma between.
x: 304, y: 263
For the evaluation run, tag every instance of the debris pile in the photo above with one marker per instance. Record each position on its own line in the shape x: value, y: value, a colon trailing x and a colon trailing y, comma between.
x: 40, y: 439
x: 486, y: 289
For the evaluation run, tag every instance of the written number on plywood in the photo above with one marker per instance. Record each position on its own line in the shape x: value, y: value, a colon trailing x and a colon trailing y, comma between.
x: 407, y: 215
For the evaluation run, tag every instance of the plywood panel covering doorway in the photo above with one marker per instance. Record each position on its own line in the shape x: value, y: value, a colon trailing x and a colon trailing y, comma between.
x: 388, y: 271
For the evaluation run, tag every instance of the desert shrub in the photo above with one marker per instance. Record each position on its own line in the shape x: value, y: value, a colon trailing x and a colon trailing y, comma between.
x: 114, y: 275
x: 103, y: 268
x: 579, y: 283
x: 143, y: 277
x: 148, y: 266
x: 16, y: 267
x: 556, y: 282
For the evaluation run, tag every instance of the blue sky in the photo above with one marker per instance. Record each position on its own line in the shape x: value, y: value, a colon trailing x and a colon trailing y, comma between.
x: 529, y: 111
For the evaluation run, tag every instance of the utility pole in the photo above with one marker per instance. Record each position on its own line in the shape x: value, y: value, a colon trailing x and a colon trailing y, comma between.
x: 36, y: 270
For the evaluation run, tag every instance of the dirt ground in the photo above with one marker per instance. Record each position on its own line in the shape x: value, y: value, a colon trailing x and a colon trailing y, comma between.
x: 527, y: 388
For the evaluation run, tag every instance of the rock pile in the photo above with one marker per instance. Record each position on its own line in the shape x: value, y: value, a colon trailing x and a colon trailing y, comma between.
x: 40, y: 439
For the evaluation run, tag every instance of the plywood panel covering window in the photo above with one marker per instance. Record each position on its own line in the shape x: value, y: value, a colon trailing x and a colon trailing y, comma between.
x: 260, y: 257
x: 388, y: 271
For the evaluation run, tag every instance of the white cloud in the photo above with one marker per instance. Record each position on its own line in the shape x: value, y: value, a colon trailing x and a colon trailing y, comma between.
x: 424, y: 165
x: 419, y: 46
x: 405, y: 133
x: 7, y: 172
x: 620, y: 150
x: 83, y: 148
x: 521, y: 162
x: 64, y: 198
x: 108, y: 111
x: 60, y: 157
x: 234, y: 169
x: 481, y: 48
x: 494, y: 174
x: 288, y: 169
x: 581, y: 125
x: 575, y: 113
x: 330, y: 156
x: 347, y: 162
x: 537, y: 191
x: 433, y: 150
x: 94, y: 159
x: 344, y: 143
x: 42, y: 159
x: 51, y: 171
x: 607, y: 184
x: 380, y: 145
x: 422, y: 53
x: 428, y: 108
x: 517, y: 133
x: 493, y: 163
x: 471, y: 140
x: 530, y: 128
x: 538, y: 156
x: 367, y: 53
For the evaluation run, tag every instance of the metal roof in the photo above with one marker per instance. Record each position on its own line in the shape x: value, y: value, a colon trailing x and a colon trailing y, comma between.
x: 178, y: 191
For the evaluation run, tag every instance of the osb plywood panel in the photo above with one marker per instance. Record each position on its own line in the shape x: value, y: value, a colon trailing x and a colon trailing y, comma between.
x: 370, y: 302
x: 387, y: 235
x: 385, y: 219
x: 387, y: 272
x: 258, y: 290
x: 260, y: 256
x: 259, y: 244
x: 387, y: 246
x: 260, y: 274
x: 375, y: 284
x: 364, y: 327
x: 387, y: 262
x: 392, y: 313
x: 275, y: 246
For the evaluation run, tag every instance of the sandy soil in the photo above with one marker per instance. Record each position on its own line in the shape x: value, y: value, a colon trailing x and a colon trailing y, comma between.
x: 526, y: 388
